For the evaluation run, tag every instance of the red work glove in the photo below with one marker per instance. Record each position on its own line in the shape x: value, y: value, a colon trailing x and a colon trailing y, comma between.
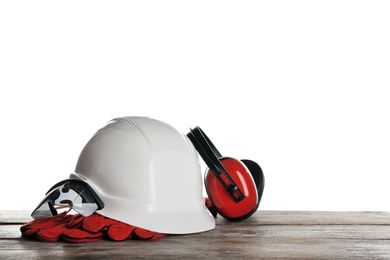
x: 113, y: 229
x: 51, y: 228
x: 80, y: 229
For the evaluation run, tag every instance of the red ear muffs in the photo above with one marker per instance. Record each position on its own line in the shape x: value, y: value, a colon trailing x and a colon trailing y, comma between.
x: 234, y: 187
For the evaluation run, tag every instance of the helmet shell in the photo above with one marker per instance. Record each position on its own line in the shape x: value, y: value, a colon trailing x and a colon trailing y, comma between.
x: 147, y: 174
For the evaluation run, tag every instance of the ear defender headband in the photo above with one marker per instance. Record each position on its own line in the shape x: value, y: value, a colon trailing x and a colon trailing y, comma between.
x: 234, y: 186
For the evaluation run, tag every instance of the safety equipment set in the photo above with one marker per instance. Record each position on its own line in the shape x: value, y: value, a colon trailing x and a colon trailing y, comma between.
x: 140, y: 178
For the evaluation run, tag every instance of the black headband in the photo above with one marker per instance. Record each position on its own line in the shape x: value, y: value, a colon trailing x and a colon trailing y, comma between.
x: 211, y: 157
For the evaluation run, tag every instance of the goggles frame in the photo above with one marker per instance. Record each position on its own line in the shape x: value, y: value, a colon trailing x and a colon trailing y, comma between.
x: 77, y: 186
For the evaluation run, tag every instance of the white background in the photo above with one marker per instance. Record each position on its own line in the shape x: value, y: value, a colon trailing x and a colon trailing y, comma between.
x: 301, y: 87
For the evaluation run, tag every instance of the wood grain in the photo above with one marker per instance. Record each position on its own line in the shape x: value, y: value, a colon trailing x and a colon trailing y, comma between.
x: 266, y: 235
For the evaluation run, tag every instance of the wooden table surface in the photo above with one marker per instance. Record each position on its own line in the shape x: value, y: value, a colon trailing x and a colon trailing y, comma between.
x: 266, y: 235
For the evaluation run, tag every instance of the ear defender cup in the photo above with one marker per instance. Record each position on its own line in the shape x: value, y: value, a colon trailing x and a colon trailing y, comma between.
x: 258, y: 177
x: 234, y: 187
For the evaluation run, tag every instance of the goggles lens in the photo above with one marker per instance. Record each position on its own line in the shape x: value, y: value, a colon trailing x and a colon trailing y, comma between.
x: 68, y: 195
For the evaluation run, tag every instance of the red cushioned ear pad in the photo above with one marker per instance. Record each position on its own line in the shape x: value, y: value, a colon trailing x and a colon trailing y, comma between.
x: 221, y: 199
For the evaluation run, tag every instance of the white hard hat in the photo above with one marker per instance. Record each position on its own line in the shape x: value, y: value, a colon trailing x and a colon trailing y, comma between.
x: 147, y: 174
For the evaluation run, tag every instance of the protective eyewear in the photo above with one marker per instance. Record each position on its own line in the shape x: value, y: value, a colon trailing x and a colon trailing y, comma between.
x: 67, y: 195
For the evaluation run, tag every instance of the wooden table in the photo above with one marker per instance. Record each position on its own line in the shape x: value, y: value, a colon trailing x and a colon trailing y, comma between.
x: 266, y: 235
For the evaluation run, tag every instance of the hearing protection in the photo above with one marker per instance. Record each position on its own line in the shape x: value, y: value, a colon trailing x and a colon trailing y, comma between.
x: 234, y: 187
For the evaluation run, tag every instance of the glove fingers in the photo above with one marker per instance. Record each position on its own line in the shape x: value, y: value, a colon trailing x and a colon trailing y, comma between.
x: 141, y: 233
x: 53, y: 221
x: 29, y: 232
x: 43, y: 222
x: 29, y: 225
x: 158, y: 236
x: 80, y: 229
x: 81, y: 236
x: 33, y: 227
x: 52, y: 234
x: 76, y: 221
x: 94, y: 223
x: 120, y: 231
x: 108, y: 223
x: 83, y: 240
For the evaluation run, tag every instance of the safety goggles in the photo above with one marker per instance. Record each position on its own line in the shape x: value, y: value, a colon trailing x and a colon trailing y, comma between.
x: 67, y: 195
